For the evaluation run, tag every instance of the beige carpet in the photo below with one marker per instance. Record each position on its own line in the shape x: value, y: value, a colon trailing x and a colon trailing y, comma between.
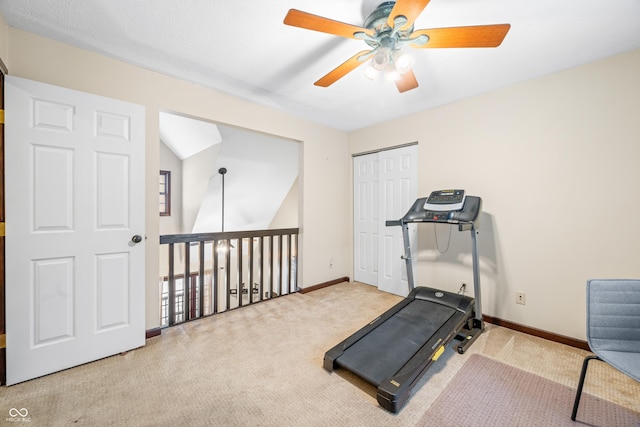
x: 262, y: 366
x: 489, y: 393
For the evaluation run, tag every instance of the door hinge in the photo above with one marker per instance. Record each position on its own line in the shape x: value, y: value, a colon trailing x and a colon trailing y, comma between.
x: 3, y: 341
x: 1, y: 116
x: 1, y: 229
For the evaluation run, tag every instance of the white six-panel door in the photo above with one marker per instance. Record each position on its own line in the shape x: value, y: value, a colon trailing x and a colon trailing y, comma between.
x: 385, y: 187
x: 366, y: 218
x: 398, y: 192
x: 74, y: 201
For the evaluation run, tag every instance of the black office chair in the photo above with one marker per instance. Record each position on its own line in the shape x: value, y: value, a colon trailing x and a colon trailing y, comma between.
x: 613, y: 328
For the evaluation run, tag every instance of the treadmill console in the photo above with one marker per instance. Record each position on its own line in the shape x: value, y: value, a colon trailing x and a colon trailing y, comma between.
x: 444, y: 206
x: 445, y: 200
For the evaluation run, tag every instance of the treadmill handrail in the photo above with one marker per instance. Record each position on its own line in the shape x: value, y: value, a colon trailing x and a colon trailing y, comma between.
x: 466, y: 218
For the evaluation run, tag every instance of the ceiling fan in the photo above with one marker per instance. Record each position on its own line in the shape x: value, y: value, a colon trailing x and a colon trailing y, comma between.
x: 387, y: 30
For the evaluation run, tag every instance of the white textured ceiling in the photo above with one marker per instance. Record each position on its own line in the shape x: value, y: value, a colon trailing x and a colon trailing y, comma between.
x: 243, y: 48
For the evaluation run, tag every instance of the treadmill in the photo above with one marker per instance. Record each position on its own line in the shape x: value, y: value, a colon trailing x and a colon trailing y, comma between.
x: 395, y: 350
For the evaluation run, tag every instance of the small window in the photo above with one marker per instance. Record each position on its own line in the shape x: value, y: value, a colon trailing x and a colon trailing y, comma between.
x: 165, y: 193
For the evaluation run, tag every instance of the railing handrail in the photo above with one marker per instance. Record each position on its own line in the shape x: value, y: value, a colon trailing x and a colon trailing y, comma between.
x: 203, y: 237
x: 263, y: 262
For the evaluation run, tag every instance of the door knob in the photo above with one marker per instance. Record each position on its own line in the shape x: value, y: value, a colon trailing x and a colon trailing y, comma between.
x: 136, y: 239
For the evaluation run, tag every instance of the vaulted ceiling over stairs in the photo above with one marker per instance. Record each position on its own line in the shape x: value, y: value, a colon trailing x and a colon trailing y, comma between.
x: 260, y: 172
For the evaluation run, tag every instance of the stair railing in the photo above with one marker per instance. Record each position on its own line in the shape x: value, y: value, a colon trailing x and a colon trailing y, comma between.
x: 225, y: 271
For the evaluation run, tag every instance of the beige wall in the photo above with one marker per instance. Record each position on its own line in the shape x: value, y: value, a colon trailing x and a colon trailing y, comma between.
x: 285, y: 217
x: 324, y: 215
x: 196, y: 172
x: 4, y: 40
x: 555, y: 161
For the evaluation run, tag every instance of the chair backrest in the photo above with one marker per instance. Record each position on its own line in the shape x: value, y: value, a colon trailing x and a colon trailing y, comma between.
x: 613, y: 315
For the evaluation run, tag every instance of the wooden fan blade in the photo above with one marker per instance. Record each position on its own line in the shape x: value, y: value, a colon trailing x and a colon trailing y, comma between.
x: 410, y: 9
x: 297, y: 18
x: 474, y: 36
x: 342, y: 70
x: 407, y: 82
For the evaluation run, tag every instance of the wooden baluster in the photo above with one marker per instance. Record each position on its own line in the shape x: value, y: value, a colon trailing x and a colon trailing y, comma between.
x: 172, y: 288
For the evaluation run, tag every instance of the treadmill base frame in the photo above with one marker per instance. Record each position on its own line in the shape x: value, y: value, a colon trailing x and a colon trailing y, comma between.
x: 393, y: 392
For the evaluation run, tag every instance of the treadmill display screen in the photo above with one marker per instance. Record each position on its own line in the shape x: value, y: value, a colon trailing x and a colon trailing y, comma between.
x: 445, y: 200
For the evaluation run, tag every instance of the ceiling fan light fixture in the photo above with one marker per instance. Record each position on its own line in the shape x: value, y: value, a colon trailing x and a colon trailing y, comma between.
x: 381, y: 59
x: 370, y: 72
x: 392, y: 74
x: 402, y: 61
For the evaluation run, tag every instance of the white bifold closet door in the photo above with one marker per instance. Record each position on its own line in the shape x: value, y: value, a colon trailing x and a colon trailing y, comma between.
x: 385, y: 187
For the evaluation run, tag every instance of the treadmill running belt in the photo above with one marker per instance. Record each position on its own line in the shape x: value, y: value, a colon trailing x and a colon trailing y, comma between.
x: 383, y: 351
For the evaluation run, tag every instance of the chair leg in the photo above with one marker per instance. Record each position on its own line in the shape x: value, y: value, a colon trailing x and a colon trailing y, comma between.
x: 583, y: 374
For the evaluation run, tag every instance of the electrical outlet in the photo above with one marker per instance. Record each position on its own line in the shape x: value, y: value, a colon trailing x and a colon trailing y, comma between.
x: 521, y: 298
